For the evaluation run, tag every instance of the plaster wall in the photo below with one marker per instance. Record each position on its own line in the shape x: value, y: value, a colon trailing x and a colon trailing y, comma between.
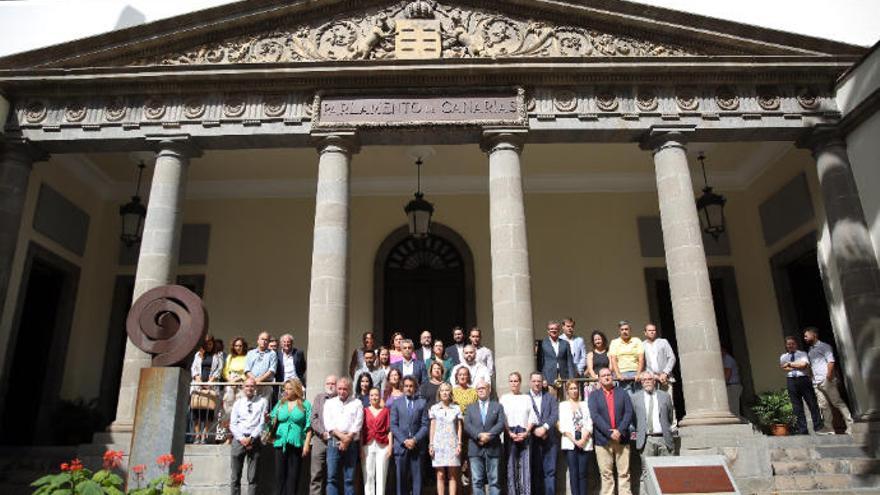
x: 89, y: 324
x: 584, y: 256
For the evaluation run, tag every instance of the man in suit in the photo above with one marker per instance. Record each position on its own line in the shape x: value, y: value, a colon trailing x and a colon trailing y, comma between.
x: 576, y: 344
x: 484, y: 422
x: 410, y: 365
x: 291, y: 362
x: 612, y: 413
x: 454, y: 351
x: 556, y: 361
x: 409, y: 428
x: 654, y: 419
x: 545, y: 439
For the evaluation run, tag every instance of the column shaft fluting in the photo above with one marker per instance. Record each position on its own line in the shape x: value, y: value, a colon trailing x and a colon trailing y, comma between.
x: 692, y: 307
x: 328, y: 297
x: 857, y: 269
x: 16, y: 162
x: 157, y: 262
x: 511, y: 279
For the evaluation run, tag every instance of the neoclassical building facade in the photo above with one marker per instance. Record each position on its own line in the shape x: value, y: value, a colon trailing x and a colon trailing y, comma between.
x: 559, y: 142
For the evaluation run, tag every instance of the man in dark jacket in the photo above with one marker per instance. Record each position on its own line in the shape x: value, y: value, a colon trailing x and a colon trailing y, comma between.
x: 611, y: 410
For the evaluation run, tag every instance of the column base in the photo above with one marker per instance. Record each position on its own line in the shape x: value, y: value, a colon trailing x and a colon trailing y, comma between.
x: 120, y: 427
x: 711, y: 418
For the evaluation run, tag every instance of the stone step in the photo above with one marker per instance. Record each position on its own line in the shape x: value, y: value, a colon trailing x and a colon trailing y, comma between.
x: 856, y: 466
x: 845, y: 491
x: 825, y: 482
x: 811, y: 440
x: 860, y: 451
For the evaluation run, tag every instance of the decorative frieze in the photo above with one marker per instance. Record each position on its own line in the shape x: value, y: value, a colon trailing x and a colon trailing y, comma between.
x: 613, y: 106
x: 419, y: 29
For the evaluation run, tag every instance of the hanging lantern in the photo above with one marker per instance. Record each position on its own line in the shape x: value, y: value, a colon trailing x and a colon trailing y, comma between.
x: 418, y: 211
x: 133, y: 214
x: 710, y: 207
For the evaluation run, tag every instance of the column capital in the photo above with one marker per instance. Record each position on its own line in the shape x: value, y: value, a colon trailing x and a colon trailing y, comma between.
x: 821, y: 137
x: 22, y: 150
x: 336, y: 141
x: 181, y: 145
x: 662, y: 137
x: 497, y: 138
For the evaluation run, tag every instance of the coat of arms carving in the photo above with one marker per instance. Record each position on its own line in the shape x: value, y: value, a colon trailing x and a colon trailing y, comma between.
x: 418, y: 29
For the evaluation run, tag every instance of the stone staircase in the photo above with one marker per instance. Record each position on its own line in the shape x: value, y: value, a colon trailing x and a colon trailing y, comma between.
x: 833, y: 464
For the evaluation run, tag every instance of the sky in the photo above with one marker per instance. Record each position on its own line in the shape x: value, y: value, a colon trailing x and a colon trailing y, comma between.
x: 30, y: 24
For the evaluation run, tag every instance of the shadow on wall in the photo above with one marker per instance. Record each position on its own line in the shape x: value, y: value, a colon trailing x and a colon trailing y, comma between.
x: 130, y: 16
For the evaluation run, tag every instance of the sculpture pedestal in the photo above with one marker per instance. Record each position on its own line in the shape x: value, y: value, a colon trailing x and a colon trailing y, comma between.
x: 159, y: 420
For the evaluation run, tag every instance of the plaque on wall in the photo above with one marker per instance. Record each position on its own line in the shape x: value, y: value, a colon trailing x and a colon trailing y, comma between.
x: 416, y: 110
x: 689, y: 475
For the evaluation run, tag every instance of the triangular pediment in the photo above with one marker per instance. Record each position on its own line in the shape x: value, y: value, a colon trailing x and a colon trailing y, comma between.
x: 272, y: 31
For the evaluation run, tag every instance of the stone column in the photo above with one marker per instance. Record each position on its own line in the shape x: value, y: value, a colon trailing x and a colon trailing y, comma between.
x: 692, y: 307
x: 157, y: 262
x: 16, y: 160
x: 857, y: 272
x: 511, y: 279
x: 328, y: 297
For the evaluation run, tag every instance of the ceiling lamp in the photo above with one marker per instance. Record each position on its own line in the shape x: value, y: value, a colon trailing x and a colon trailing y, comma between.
x: 710, y: 206
x: 418, y: 211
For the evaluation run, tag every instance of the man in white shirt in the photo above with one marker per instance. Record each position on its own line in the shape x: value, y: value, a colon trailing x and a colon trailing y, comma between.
x: 484, y: 354
x: 343, y: 418
x: 796, y: 365
x: 576, y: 345
x: 825, y: 380
x: 454, y: 351
x: 427, y: 346
x: 521, y: 419
x: 469, y: 355
x: 246, y: 424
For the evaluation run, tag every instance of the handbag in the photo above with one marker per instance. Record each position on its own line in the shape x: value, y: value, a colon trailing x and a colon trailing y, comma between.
x: 203, y: 398
x: 267, y: 436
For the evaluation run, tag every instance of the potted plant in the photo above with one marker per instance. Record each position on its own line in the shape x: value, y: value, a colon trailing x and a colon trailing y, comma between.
x: 774, y: 412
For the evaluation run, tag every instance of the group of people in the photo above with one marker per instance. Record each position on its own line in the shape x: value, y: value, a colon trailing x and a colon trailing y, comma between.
x: 811, y: 379
x: 210, y: 405
x: 405, y: 411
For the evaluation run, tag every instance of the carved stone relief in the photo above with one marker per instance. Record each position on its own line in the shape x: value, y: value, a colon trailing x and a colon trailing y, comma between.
x: 450, y: 32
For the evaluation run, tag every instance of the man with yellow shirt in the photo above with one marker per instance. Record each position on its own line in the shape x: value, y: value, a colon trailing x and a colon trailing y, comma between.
x: 627, y: 356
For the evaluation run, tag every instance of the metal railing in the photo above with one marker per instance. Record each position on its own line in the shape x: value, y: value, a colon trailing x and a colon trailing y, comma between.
x: 211, y: 404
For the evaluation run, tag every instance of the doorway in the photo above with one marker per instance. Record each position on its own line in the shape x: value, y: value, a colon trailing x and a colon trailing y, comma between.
x: 423, y: 284
x: 800, y: 295
x: 37, y: 349
x: 728, y: 318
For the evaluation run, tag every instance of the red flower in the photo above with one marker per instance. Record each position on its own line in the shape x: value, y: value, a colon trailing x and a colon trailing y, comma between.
x: 177, y: 479
x: 112, y: 459
x: 65, y: 466
x: 165, y: 460
x: 139, y: 469
x: 76, y: 465
x: 185, y: 467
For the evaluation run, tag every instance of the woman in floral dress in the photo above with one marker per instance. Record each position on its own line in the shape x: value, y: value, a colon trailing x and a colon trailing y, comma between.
x: 445, y: 443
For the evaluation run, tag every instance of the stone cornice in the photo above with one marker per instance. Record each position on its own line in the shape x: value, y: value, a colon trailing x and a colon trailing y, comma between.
x: 406, y: 73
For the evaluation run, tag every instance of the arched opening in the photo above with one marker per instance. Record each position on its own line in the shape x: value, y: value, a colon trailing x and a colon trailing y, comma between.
x: 423, y: 284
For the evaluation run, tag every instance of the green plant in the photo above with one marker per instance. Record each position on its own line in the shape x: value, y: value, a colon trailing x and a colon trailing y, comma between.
x: 74, y: 479
x: 773, y: 408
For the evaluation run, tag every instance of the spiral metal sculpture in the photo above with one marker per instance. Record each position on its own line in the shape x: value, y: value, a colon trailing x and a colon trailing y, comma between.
x: 168, y: 322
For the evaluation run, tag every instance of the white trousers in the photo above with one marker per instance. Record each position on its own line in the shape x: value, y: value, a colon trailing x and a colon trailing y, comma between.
x: 375, y: 468
x: 828, y: 395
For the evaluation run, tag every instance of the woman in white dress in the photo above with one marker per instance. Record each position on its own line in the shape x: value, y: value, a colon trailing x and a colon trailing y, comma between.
x: 445, y: 443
